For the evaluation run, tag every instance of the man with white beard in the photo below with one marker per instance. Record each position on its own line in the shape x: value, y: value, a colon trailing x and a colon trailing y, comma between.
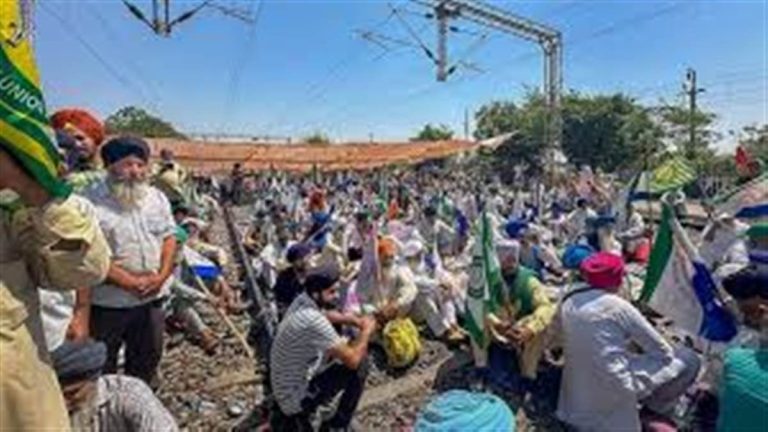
x: 137, y: 222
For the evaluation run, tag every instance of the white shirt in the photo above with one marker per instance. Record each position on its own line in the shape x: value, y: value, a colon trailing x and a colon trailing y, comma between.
x: 577, y: 221
x: 56, y: 310
x: 602, y: 380
x: 135, y: 237
x: 57, y: 307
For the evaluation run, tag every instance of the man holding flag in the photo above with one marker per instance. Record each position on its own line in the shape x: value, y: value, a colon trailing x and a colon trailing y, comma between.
x: 46, y: 239
x: 506, y: 303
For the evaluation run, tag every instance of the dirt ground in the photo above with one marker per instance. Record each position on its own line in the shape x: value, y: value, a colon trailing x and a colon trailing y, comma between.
x: 218, y: 392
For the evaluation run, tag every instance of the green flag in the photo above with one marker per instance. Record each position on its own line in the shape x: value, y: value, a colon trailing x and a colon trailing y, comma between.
x: 485, y: 288
x: 24, y: 129
x: 672, y: 174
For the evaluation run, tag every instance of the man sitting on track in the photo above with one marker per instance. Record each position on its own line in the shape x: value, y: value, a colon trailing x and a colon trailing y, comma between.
x: 311, y: 363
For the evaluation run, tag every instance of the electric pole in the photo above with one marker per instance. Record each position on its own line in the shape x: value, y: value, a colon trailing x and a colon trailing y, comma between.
x: 466, y: 124
x: 691, y: 90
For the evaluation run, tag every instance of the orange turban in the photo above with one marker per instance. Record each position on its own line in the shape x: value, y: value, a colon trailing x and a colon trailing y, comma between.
x: 81, y: 119
x: 393, y: 211
x: 387, y: 247
x: 317, y: 200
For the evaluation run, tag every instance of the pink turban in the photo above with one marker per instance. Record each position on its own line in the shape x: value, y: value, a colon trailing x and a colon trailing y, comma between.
x: 603, y: 270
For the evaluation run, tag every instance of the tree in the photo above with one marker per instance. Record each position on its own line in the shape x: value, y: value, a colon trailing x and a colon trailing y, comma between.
x: 676, y: 122
x: 495, y: 118
x: 610, y: 132
x: 136, y: 121
x: 528, y: 126
x: 317, y: 138
x: 755, y: 139
x: 434, y: 133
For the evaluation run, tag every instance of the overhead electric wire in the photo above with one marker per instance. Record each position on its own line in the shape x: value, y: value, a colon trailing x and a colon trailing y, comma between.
x: 414, y: 35
x: 240, y: 64
x: 317, y: 88
x: 109, y: 31
x: 111, y: 70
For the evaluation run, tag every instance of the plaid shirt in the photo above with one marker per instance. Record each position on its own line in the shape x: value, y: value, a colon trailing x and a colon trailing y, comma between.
x: 135, y: 237
x: 123, y: 404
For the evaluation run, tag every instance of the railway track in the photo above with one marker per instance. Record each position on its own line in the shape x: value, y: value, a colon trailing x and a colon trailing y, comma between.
x: 228, y: 391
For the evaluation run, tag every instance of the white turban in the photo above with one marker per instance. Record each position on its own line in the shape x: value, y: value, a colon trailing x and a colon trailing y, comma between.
x: 508, y: 248
x: 412, y: 248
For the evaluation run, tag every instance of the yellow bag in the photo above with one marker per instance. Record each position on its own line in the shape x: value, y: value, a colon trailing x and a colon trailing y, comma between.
x: 401, y: 342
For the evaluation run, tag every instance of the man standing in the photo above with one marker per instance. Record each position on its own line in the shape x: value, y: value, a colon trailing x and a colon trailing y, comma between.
x: 44, y: 241
x: 137, y: 221
x: 66, y: 314
x: 576, y: 222
x: 301, y: 372
x: 79, y: 134
x: 87, y: 134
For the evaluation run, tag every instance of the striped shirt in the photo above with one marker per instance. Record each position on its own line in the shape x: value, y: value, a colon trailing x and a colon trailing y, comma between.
x: 123, y: 404
x: 303, y: 338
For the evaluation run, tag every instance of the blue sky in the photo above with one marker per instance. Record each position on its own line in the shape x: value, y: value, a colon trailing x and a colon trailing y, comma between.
x: 303, y: 68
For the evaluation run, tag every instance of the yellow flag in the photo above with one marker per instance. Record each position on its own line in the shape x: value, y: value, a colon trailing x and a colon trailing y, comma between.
x: 24, y: 128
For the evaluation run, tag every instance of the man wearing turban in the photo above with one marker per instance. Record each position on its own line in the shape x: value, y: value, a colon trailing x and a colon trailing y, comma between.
x: 85, y: 134
x: 615, y: 360
x: 137, y: 220
x: 526, y: 311
x: 396, y: 290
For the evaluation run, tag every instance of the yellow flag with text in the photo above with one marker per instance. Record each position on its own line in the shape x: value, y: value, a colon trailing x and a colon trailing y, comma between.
x: 24, y: 128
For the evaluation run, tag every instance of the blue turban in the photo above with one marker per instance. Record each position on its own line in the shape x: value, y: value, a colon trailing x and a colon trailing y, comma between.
x: 515, y: 227
x: 576, y: 253
x: 79, y: 361
x: 460, y: 410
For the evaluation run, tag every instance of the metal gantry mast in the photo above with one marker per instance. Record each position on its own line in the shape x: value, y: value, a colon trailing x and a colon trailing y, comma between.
x: 549, y: 39
x: 161, y: 22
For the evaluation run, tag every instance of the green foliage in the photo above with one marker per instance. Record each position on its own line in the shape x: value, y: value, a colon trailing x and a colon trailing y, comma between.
x: 317, y: 138
x: 610, y: 132
x: 528, y: 126
x: 676, y: 123
x: 136, y: 121
x: 495, y: 118
x: 755, y: 139
x: 434, y: 133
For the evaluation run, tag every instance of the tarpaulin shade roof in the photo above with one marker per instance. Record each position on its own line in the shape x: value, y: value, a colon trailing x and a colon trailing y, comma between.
x: 218, y: 157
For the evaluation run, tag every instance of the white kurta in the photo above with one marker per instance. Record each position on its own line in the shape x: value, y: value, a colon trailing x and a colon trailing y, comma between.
x: 433, y: 304
x: 603, y: 381
x: 576, y: 223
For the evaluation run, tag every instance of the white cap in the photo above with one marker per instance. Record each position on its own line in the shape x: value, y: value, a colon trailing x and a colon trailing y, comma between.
x: 505, y: 248
x: 412, y: 248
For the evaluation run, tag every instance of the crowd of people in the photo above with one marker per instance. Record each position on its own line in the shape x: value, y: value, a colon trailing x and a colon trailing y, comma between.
x: 350, y: 261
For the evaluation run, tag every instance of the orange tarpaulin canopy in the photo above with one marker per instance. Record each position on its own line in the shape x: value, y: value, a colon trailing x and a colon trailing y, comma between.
x: 219, y: 157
